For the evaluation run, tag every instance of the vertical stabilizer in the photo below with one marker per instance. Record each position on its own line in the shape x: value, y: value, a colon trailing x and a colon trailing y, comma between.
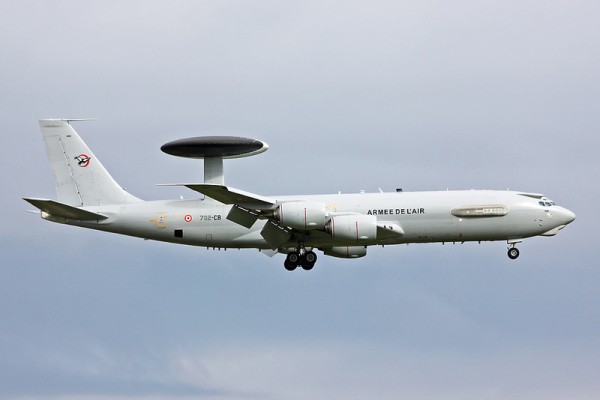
x: 80, y: 178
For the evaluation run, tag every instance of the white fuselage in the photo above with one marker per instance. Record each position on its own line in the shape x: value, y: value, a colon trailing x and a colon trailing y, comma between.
x: 422, y: 217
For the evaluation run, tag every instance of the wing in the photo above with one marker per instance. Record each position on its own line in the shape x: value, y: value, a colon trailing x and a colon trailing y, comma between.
x: 228, y: 195
x: 247, y: 208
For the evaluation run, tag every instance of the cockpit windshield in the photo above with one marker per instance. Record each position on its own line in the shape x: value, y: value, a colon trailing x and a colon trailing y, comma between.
x: 546, y: 202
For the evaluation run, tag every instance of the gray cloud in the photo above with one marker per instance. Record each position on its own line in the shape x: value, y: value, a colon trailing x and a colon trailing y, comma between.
x: 350, y: 96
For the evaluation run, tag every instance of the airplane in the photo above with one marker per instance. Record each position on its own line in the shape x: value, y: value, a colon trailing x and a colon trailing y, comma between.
x: 339, y: 225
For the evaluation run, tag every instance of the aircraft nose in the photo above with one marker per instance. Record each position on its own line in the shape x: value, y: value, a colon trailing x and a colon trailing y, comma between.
x: 567, y: 216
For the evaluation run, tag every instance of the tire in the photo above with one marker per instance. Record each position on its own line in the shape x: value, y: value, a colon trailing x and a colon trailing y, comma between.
x: 307, y: 266
x: 310, y: 257
x: 293, y: 258
x: 309, y: 260
x: 289, y: 266
x: 513, y: 253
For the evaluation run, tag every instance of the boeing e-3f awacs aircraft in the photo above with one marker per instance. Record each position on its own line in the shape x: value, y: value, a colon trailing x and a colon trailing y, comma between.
x: 340, y: 225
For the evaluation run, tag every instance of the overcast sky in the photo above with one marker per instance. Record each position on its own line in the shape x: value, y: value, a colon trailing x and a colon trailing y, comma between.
x: 350, y: 96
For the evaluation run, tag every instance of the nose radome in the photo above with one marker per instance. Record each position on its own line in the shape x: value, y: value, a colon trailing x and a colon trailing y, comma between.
x: 568, y: 215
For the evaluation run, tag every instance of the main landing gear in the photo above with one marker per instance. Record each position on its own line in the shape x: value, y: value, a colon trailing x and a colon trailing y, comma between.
x: 300, y: 258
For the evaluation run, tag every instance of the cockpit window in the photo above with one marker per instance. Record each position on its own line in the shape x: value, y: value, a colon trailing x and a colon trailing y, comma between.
x: 546, y: 202
x: 542, y: 200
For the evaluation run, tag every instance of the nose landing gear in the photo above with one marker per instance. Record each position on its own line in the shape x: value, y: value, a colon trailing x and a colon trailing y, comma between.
x: 300, y: 258
x: 513, y: 252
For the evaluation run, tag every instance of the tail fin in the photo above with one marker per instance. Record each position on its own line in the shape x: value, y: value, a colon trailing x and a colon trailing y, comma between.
x: 80, y: 178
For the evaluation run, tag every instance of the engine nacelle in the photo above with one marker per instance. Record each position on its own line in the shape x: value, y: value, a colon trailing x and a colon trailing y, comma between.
x: 346, y: 251
x: 302, y: 214
x: 353, y: 227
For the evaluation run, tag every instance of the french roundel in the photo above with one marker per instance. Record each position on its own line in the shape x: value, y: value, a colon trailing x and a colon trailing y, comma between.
x: 187, y: 218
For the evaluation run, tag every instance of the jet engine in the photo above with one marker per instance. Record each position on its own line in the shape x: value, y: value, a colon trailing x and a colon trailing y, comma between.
x: 302, y: 214
x: 353, y: 227
x: 346, y: 251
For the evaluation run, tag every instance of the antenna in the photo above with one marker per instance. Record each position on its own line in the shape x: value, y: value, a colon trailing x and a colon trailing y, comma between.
x: 213, y: 149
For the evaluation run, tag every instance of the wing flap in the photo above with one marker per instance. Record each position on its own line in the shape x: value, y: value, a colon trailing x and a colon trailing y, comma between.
x: 61, y: 210
x: 241, y: 216
x: 275, y: 235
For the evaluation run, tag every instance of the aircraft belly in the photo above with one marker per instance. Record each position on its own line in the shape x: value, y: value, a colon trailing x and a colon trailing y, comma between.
x: 186, y: 222
x: 453, y: 229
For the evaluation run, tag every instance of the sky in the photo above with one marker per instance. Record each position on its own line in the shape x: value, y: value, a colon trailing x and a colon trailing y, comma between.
x: 350, y: 96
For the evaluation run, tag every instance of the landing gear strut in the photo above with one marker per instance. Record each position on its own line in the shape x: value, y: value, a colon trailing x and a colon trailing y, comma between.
x: 300, y: 258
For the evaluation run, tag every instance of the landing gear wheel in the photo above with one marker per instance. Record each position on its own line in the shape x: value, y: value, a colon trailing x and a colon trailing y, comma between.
x: 310, y: 257
x: 309, y: 260
x: 293, y: 258
x: 292, y: 261
x: 289, y: 266
x: 513, y: 253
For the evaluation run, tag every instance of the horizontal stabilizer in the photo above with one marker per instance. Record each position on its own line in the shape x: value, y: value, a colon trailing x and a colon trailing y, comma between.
x: 61, y: 210
x: 228, y: 195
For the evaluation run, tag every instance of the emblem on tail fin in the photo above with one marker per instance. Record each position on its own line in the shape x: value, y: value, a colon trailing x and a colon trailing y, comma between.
x: 83, y: 160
